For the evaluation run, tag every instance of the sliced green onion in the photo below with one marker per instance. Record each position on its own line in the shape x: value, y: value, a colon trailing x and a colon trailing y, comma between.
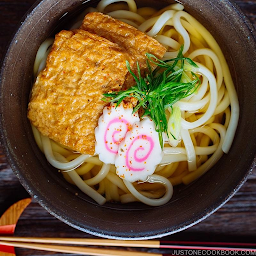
x: 174, y: 126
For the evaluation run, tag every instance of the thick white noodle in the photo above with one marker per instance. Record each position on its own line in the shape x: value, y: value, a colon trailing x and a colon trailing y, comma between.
x: 191, y: 154
x: 147, y: 24
x: 42, y: 55
x: 94, y: 160
x: 206, y: 150
x: 149, y: 201
x: 130, y: 22
x: 177, y: 7
x: 167, y: 41
x: 198, y: 150
x: 57, y: 164
x: 212, y: 160
x: 207, y: 130
x: 221, y: 93
x: 201, y: 91
x: 123, y: 14
x: 178, y: 154
x: 223, y: 104
x: 117, y: 181
x: 37, y: 136
x: 72, y: 173
x: 215, y: 59
x: 102, y: 4
x: 178, y: 26
x: 213, y: 101
x: 168, y: 159
x: 164, y: 17
x: 227, y: 78
x: 191, y: 30
x: 100, y: 175
x: 170, y: 55
x: 192, y: 105
x: 85, y: 188
x: 174, y: 150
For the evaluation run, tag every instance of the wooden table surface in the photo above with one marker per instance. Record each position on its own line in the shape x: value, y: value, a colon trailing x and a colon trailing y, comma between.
x: 235, y: 221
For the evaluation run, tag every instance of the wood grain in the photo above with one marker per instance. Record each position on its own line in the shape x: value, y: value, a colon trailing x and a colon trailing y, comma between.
x: 233, y: 222
x: 12, y: 214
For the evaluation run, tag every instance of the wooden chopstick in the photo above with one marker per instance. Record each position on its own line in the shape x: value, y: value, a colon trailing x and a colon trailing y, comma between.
x: 43, y: 243
x: 85, y: 241
x: 77, y: 249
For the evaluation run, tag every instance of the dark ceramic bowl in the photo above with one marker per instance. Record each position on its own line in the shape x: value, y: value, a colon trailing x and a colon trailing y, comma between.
x: 190, y: 204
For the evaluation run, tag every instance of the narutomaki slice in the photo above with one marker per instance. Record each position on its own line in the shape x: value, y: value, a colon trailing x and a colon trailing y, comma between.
x: 139, y: 152
x: 111, y: 130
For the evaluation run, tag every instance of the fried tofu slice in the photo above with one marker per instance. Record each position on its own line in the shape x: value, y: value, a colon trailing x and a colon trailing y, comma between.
x: 66, y: 103
x: 135, y: 42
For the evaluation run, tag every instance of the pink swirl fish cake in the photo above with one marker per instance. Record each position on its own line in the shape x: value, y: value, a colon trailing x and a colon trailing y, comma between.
x: 112, y: 128
x: 139, y: 152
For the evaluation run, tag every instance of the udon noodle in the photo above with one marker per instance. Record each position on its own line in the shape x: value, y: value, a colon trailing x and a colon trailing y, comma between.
x: 209, y: 116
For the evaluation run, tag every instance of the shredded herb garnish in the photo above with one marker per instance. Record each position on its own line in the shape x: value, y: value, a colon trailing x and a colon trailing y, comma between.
x: 168, y: 83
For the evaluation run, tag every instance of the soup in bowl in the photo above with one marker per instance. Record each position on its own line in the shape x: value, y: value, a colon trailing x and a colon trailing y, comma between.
x: 96, y: 134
